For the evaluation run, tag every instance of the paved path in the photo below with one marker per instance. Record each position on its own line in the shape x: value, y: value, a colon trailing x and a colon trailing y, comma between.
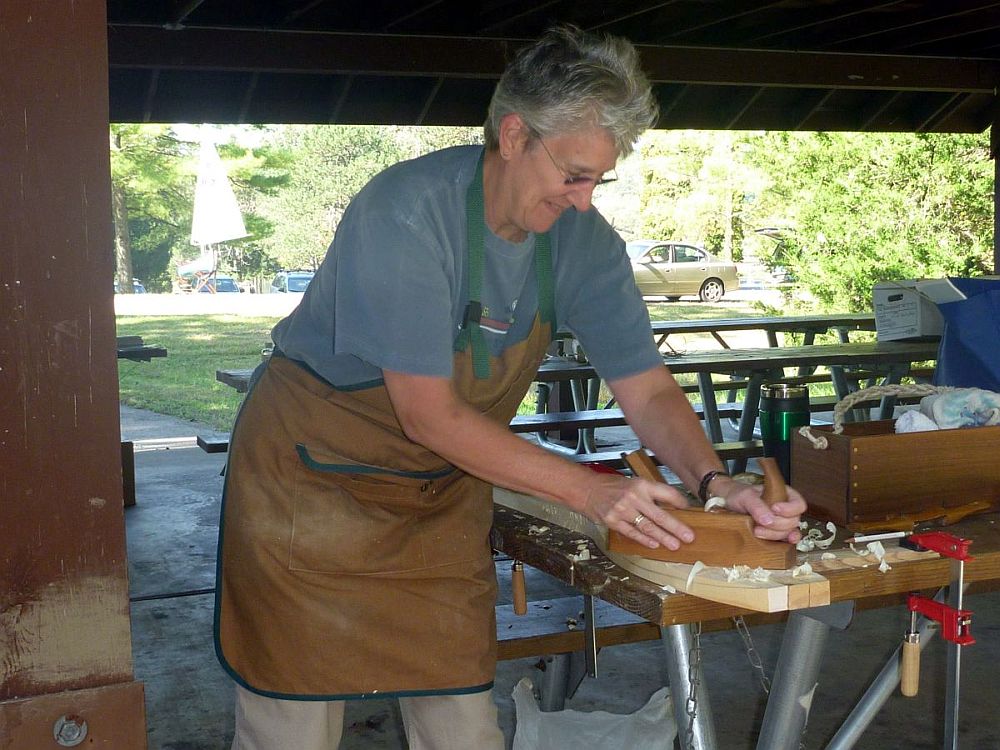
x: 140, y: 425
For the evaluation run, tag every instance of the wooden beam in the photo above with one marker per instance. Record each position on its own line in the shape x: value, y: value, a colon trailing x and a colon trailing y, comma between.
x: 132, y: 46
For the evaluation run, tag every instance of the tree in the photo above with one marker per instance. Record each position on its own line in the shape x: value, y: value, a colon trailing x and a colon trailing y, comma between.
x: 151, y: 200
x: 873, y: 207
x: 331, y: 163
x: 153, y: 173
x: 700, y: 188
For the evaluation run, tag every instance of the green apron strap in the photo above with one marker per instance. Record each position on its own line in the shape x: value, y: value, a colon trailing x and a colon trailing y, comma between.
x: 471, y: 333
x: 475, y: 231
x: 543, y: 276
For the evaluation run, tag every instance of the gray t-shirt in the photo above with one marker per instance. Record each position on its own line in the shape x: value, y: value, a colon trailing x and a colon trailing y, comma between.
x: 392, y: 290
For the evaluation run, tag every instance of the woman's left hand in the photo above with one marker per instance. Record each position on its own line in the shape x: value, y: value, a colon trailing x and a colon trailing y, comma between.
x: 779, y: 522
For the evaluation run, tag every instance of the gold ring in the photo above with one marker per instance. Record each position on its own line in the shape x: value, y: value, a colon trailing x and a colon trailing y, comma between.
x: 638, y: 519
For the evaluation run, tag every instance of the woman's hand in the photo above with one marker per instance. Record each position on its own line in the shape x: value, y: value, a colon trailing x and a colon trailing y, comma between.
x: 629, y: 506
x: 778, y: 522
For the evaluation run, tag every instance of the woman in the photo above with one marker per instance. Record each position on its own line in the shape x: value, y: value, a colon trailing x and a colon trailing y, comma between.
x: 354, y: 553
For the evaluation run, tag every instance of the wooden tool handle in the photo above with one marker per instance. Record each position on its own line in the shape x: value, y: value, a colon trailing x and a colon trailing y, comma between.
x: 643, y: 466
x: 518, y: 589
x: 775, y: 489
x: 909, y: 667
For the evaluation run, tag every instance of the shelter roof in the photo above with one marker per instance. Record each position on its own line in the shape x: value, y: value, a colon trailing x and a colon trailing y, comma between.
x: 881, y: 65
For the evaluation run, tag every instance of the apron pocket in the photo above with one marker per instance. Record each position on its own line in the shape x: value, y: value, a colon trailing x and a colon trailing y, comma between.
x: 357, y: 524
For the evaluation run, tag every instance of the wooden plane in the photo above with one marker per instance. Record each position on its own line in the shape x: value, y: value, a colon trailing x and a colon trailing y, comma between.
x: 722, y: 537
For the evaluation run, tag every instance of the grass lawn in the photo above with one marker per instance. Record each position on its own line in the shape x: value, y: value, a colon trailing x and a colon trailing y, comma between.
x: 183, y: 383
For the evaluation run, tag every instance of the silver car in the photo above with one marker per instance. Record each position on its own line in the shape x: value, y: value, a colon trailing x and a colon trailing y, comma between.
x: 673, y: 269
x: 291, y: 282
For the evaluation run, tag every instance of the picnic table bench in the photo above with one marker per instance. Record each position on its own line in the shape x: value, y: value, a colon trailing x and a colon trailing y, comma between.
x: 133, y: 348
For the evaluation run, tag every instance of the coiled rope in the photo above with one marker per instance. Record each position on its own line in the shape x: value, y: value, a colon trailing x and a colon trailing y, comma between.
x: 819, y: 442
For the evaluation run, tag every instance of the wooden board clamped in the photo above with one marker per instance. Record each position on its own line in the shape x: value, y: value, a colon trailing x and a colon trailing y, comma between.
x: 722, y: 537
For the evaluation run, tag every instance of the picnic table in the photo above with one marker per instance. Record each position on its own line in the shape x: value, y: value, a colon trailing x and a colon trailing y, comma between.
x: 887, y: 360
x: 553, y: 396
x: 809, y: 326
x: 133, y: 348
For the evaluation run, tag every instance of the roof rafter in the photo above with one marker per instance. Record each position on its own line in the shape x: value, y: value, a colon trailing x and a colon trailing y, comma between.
x: 145, y: 47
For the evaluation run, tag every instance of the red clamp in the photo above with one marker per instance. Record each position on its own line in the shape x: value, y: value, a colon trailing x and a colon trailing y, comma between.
x: 941, y: 542
x: 955, y: 623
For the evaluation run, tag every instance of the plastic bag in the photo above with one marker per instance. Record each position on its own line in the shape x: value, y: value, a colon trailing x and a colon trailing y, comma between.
x: 968, y: 355
x: 650, y: 728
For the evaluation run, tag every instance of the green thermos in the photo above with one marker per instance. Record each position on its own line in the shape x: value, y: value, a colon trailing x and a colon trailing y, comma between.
x: 783, y: 409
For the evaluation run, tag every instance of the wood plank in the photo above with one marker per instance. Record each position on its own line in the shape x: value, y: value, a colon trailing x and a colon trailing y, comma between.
x: 710, y: 584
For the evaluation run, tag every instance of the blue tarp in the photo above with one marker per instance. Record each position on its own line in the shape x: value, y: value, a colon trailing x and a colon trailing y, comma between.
x: 969, y: 354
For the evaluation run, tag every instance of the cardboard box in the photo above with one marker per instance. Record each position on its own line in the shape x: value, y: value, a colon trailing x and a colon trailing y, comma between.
x: 907, y: 309
x: 869, y: 474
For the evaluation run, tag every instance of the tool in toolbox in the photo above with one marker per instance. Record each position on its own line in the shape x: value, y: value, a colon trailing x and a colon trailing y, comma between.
x: 955, y: 623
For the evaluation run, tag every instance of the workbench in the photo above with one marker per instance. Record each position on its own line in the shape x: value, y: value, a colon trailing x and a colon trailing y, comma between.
x: 557, y: 552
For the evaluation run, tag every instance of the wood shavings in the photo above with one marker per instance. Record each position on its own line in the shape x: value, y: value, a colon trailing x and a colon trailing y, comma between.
x: 582, y: 551
x: 746, y: 573
x: 814, y: 539
x: 696, y: 568
x: 802, y: 570
x: 715, y: 502
x: 536, y: 530
x: 570, y: 623
x: 668, y: 588
x: 828, y: 556
x: 876, y: 550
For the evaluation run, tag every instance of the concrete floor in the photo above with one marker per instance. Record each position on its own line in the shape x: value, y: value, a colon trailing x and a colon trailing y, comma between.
x: 171, y: 544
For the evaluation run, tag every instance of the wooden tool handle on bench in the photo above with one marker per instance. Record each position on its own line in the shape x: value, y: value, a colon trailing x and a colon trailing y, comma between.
x: 775, y: 489
x: 643, y: 466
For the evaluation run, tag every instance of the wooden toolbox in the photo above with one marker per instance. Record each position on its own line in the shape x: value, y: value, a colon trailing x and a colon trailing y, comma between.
x: 870, y: 477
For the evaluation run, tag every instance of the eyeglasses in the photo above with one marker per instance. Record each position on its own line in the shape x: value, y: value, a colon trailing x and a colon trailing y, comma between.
x: 577, y: 180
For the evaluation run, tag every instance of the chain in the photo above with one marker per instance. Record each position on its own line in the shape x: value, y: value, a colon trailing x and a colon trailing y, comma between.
x: 753, y: 656
x: 694, y: 669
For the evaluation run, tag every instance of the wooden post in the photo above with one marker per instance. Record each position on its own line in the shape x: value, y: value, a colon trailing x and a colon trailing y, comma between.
x: 65, y: 644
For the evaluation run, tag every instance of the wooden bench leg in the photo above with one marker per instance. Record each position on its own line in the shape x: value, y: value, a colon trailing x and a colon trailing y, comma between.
x: 128, y: 473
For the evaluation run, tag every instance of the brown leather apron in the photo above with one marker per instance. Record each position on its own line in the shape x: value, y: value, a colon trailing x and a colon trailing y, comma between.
x: 353, y: 562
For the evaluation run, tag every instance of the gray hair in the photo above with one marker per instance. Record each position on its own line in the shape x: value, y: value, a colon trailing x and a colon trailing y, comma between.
x: 569, y: 81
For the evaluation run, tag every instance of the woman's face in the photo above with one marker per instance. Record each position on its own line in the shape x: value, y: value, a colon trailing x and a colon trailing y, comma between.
x: 554, y: 174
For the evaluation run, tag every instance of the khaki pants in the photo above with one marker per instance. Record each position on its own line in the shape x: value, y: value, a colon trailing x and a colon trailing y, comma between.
x: 440, y: 722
